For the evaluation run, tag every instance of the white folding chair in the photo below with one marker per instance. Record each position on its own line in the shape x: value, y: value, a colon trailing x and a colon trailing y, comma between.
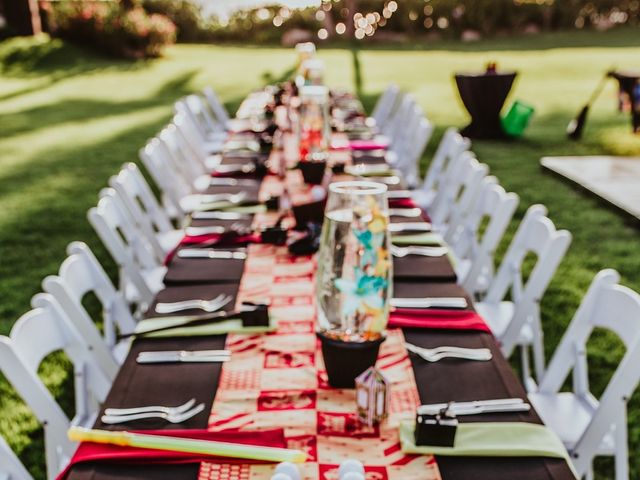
x: 474, y: 250
x: 80, y: 274
x: 450, y: 147
x: 135, y: 193
x: 217, y: 107
x: 516, y: 322
x: 399, y: 119
x: 384, y: 106
x: 414, y: 143
x: 141, y: 273
x: 10, y: 467
x: 58, y: 449
x: 211, y: 142
x: 157, y: 160
x: 590, y: 427
x: 35, y: 335
x: 187, y: 140
x: 185, y: 159
x: 458, y: 191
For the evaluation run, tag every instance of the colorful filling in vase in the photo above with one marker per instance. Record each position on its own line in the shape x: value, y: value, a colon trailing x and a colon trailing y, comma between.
x: 354, y: 265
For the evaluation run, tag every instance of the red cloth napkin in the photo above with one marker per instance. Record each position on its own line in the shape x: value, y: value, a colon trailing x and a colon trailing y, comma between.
x: 402, y: 203
x: 213, y: 239
x: 441, y: 319
x: 368, y: 145
x: 99, y: 452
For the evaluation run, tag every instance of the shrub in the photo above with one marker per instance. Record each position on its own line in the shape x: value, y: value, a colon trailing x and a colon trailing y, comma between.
x: 185, y: 14
x: 131, y: 33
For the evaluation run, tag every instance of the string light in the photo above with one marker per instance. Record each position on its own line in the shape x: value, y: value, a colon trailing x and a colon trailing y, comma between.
x: 323, y: 34
x: 341, y: 28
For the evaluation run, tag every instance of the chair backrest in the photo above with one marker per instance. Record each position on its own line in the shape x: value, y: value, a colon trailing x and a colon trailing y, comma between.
x: 459, y: 190
x: 139, y: 199
x: 126, y: 244
x: 536, y: 234
x: 217, y: 106
x: 10, y: 466
x: 182, y: 106
x: 203, y: 112
x: 80, y: 274
x: 398, y: 120
x: 183, y: 156
x: 450, y: 147
x: 156, y: 158
x: 493, y: 208
x: 417, y: 142
x: 611, y: 306
x: 385, y: 104
x: 58, y: 449
x: 192, y: 148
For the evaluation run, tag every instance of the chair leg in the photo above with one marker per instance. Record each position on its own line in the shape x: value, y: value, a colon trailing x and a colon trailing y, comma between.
x: 589, y: 474
x: 526, y: 368
x: 538, y: 352
x: 622, y: 453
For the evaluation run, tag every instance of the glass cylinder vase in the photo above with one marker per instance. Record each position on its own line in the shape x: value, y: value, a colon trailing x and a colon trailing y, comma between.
x: 314, y: 129
x: 354, y: 277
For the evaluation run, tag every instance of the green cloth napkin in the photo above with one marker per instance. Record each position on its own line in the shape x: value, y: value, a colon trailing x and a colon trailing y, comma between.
x: 426, y: 238
x: 233, y: 325
x: 496, y: 439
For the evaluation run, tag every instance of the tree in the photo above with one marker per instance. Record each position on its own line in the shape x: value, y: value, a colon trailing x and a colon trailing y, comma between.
x: 22, y: 16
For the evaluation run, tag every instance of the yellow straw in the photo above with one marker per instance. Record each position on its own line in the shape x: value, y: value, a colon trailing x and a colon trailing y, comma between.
x: 187, y: 445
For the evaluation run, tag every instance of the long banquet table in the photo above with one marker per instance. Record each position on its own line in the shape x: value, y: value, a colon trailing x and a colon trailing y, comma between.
x: 285, y: 366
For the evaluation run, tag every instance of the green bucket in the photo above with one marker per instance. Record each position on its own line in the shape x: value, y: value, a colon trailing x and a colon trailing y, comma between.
x: 517, y: 118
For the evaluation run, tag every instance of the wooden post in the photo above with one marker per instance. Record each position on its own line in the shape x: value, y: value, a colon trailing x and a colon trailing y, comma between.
x: 22, y: 16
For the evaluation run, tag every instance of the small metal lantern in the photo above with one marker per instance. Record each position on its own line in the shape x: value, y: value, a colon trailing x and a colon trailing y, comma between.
x: 372, y: 396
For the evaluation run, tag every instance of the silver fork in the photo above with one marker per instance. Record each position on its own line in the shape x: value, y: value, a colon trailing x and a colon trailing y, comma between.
x: 206, y: 305
x: 422, y: 251
x: 438, y: 353
x: 150, y: 409
x: 169, y: 417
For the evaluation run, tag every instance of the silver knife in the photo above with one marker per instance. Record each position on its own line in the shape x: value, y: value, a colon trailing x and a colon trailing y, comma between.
x: 218, y: 215
x: 195, y: 231
x: 212, y: 254
x: 179, y: 359
x: 426, y: 302
x: 186, y: 353
x: 401, y: 227
x: 434, y: 408
x: 395, y: 194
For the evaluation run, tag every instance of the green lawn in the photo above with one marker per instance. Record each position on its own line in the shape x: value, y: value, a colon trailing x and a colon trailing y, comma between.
x: 68, y: 120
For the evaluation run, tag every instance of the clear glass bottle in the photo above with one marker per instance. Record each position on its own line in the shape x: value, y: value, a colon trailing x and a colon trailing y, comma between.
x: 354, y: 276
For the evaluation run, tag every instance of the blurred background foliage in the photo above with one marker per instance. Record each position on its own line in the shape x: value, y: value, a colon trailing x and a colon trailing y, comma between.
x: 141, y: 28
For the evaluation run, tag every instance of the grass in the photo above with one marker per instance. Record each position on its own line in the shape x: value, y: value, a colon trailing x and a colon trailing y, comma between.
x: 69, y: 119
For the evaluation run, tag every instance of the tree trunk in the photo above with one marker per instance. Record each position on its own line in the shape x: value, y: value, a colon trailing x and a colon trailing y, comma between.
x: 329, y: 24
x: 22, y: 16
x: 352, y: 6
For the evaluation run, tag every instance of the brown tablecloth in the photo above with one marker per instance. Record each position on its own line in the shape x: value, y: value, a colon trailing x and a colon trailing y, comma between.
x: 197, y: 270
x: 423, y: 269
